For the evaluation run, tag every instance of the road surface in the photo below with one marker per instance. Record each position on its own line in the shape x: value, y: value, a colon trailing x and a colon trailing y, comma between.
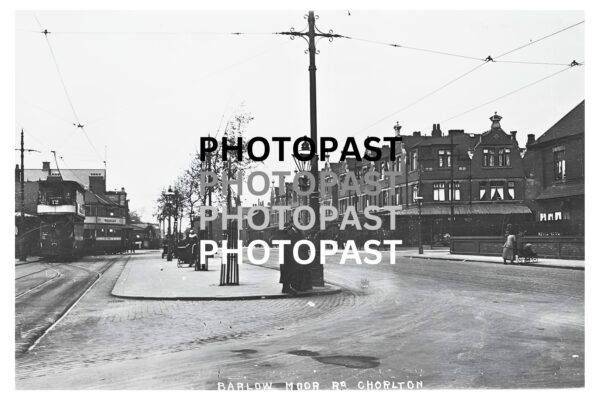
x: 444, y: 324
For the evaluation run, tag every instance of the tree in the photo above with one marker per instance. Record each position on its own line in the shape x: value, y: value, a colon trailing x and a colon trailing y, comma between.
x: 135, y: 217
x: 187, y: 185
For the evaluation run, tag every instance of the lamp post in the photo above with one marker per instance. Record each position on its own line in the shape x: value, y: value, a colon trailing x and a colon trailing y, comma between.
x: 176, y: 217
x: 169, y: 198
x: 420, y: 203
x: 470, y: 152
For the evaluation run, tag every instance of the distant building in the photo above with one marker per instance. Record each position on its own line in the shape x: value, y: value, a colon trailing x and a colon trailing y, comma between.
x: 145, y: 235
x: 82, y: 176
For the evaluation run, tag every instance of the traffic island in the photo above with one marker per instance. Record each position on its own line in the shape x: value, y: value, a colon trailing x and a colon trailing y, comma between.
x: 149, y: 277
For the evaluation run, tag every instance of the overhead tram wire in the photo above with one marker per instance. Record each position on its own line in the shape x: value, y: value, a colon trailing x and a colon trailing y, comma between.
x: 401, y: 46
x: 420, y: 99
x: 509, y: 93
x: 539, y: 39
x: 156, y: 33
x: 78, y: 124
x: 485, y: 61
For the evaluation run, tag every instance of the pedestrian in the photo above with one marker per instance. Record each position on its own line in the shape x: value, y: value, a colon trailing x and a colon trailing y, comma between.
x: 289, y: 269
x: 508, y: 249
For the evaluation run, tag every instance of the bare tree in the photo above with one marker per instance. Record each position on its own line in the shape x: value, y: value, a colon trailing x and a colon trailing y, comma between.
x: 190, y: 193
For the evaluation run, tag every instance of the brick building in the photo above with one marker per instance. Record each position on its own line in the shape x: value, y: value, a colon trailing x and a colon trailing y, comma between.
x: 555, y: 169
x: 476, y: 177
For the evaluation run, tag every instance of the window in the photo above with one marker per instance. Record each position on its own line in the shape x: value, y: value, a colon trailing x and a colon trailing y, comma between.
x: 488, y: 157
x: 551, y: 216
x: 384, y: 197
x: 413, y: 160
x: 456, y: 190
x: 439, y: 191
x: 497, y: 190
x: 482, y: 190
x: 444, y: 158
x: 504, y: 157
x: 343, y: 205
x: 415, y: 193
x: 559, y: 163
x: 510, y: 193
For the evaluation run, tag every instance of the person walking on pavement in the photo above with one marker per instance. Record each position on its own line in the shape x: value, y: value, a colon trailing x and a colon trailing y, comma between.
x: 508, y: 249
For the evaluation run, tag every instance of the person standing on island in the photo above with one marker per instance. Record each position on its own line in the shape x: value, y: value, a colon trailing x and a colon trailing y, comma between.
x: 289, y: 269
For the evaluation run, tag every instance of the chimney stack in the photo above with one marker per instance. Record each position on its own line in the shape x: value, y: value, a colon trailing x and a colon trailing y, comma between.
x: 46, y: 166
x: 530, y: 139
x: 417, y: 133
x: 436, y: 131
x: 514, y: 135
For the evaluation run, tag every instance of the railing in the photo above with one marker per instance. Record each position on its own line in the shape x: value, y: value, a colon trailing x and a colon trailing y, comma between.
x: 567, y: 247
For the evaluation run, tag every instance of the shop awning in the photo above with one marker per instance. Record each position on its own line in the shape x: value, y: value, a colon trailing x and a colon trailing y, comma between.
x: 475, y: 209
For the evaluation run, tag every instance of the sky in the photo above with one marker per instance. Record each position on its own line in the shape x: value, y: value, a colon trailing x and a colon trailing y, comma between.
x: 148, y: 84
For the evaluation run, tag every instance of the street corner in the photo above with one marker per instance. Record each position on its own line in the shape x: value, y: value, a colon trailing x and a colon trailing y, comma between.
x: 150, y: 277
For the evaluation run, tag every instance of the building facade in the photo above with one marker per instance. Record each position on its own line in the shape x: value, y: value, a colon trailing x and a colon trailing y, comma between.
x: 555, y: 168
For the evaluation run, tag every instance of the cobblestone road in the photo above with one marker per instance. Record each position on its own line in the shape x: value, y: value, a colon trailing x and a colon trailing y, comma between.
x: 446, y: 324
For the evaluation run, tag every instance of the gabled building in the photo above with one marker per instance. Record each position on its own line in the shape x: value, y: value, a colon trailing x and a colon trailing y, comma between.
x: 555, y: 168
x: 467, y: 184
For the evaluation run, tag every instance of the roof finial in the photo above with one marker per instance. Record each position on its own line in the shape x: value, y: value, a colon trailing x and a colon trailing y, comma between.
x: 495, y: 120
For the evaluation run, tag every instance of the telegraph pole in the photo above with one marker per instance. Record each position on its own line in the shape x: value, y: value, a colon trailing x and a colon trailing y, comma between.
x: 310, y: 35
x: 451, y: 184
x: 22, y: 247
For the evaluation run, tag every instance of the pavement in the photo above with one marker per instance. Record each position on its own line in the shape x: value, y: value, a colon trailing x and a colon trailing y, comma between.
x: 152, y: 278
x: 445, y: 254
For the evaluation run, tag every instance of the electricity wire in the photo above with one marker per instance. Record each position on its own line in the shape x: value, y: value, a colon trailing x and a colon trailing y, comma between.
x: 468, y: 72
x: 64, y: 86
x: 508, y: 94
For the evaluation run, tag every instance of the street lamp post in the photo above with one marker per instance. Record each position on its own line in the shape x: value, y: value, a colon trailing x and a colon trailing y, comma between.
x: 310, y: 35
x: 176, y: 218
x: 169, y: 198
x: 420, y: 203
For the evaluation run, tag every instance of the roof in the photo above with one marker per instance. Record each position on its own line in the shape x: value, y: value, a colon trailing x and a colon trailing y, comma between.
x: 82, y: 176
x: 74, y: 183
x: 558, y: 191
x: 573, y: 123
x: 92, y: 198
x: 475, y: 209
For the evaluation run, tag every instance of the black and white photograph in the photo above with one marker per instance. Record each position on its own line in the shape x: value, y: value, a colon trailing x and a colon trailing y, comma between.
x: 307, y: 199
